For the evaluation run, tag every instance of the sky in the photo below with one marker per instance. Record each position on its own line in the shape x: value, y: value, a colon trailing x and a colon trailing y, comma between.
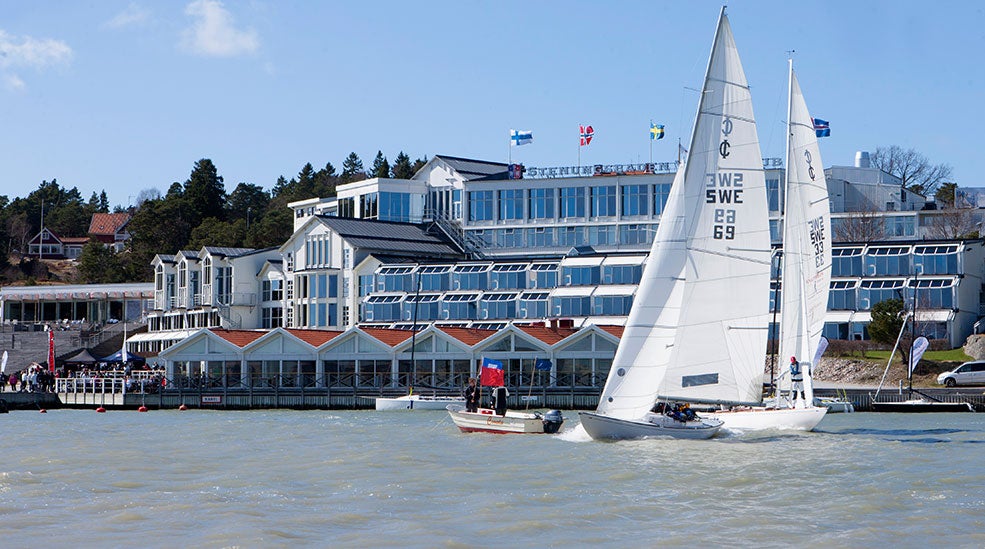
x: 126, y: 95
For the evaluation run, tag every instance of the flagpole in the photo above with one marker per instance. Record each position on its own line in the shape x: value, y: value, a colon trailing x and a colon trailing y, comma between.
x: 509, y: 150
x: 651, y: 143
x: 579, y: 150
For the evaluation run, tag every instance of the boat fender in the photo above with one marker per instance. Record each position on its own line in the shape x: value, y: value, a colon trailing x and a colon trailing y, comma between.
x: 101, y: 410
x: 142, y: 409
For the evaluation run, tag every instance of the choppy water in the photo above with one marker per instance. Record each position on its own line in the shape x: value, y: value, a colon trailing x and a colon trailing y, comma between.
x: 410, y: 479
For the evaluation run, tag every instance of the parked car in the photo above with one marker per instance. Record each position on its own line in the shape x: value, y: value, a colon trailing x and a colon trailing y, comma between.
x: 969, y: 373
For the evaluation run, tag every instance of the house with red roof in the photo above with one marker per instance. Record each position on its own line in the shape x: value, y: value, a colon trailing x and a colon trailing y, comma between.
x: 110, y: 229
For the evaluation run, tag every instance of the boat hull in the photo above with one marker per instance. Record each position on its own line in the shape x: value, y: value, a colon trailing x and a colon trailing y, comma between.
x: 921, y: 407
x: 487, y: 421
x: 416, y: 402
x: 835, y: 405
x: 601, y: 427
x: 755, y: 418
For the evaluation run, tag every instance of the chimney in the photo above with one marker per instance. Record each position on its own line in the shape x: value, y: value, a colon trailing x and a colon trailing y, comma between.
x: 862, y: 159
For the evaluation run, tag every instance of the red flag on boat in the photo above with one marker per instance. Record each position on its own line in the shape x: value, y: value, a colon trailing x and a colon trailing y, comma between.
x: 492, y: 373
x: 51, y: 351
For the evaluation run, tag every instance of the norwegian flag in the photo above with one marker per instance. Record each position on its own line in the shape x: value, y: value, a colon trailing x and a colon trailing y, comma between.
x: 587, y: 133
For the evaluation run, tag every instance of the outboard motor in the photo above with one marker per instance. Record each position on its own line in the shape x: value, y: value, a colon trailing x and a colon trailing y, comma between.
x: 552, y: 421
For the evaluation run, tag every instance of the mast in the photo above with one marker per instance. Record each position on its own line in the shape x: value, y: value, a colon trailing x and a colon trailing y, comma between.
x: 913, y: 337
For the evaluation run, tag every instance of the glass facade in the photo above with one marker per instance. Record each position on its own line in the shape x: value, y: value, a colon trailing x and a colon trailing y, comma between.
x: 542, y: 204
x: 572, y: 202
x: 394, y: 207
x: 511, y: 204
x: 480, y: 205
x: 603, y: 201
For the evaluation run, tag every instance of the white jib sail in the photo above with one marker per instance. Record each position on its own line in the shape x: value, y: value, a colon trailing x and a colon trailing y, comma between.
x: 806, y: 266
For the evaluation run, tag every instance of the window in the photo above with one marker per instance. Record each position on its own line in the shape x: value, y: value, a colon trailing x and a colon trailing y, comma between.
x: 842, y: 295
x: 571, y: 236
x: 460, y: 306
x: 470, y: 277
x: 622, y: 274
x: 511, y: 204
x: 661, y: 192
x: 634, y: 234
x: 572, y: 202
x: 612, y: 305
x: 888, y: 261
x: 582, y: 275
x: 394, y: 207
x: 604, y: 201
x: 272, y: 317
x: 934, y: 260
x: 601, y: 235
x: 496, y: 306
x: 846, y: 262
x: 572, y: 305
x: 541, y: 203
x: 365, y: 285
x: 533, y: 304
x: 540, y: 237
x: 369, y: 206
x: 434, y: 278
x: 426, y: 307
x: 480, y: 205
x: 511, y: 276
x: 544, y: 275
x: 509, y: 238
x: 347, y: 207
x: 634, y: 200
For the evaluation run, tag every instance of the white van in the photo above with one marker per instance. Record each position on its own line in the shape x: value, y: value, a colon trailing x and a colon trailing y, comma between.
x: 969, y: 373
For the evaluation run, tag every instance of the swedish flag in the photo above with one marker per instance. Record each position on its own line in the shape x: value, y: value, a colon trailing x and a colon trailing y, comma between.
x: 656, y: 131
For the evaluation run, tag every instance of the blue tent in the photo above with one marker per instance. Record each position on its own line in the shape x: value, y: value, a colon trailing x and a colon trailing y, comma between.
x: 117, y: 358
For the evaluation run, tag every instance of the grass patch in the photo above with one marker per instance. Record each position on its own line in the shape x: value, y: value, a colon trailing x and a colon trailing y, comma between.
x: 951, y: 355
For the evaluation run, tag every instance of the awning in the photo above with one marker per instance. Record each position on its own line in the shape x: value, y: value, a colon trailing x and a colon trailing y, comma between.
x: 938, y: 315
x: 615, y: 289
x: 573, y: 291
x: 173, y: 335
x: 582, y: 261
x: 625, y: 260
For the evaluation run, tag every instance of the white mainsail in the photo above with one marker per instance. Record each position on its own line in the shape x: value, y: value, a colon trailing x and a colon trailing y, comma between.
x: 697, y: 329
x: 806, y: 265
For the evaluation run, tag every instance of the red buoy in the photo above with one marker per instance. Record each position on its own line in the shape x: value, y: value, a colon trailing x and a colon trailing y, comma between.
x: 182, y: 407
x: 142, y: 409
x: 43, y: 411
x: 101, y: 410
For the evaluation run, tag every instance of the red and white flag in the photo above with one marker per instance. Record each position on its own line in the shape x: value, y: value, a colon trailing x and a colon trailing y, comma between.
x: 587, y: 133
x: 51, y: 351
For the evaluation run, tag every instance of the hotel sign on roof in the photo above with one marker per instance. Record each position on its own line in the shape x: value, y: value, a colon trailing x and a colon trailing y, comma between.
x: 613, y: 169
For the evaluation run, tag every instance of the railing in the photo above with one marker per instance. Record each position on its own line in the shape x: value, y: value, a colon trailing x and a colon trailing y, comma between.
x: 465, y: 240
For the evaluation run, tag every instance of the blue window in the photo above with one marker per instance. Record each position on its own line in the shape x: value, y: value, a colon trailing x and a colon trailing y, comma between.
x: 622, y: 274
x: 634, y: 200
x: 394, y: 207
x: 495, y: 306
x: 661, y: 192
x: 604, y: 201
x: 773, y: 194
x: 509, y: 238
x: 366, y: 283
x: 635, y: 234
x: 936, y: 260
x: 321, y: 286
x: 874, y: 291
x: 480, y: 205
x: 601, y: 235
x: 900, y: 226
x: 841, y: 296
x: 572, y: 305
x: 369, y: 206
x: 533, y: 305
x: 544, y: 275
x: 395, y: 279
x: 571, y: 236
x: 775, y: 296
x: 888, y: 261
x: 846, y: 262
x: 572, y: 202
x: 460, y: 306
x: 435, y: 278
x: 511, y: 276
x: 541, y: 203
x: 427, y: 307
x: 470, y: 277
x: 582, y: 275
x: 511, y: 204
x: 540, y: 237
x: 611, y: 305
x: 933, y: 293
x: 382, y: 308
x: 333, y: 285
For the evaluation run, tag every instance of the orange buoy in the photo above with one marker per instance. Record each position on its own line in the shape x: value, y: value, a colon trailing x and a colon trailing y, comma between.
x: 43, y: 411
x: 142, y: 409
x: 182, y: 407
x: 101, y: 410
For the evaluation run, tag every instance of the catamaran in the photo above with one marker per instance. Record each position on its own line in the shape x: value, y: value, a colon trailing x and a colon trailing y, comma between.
x: 697, y: 328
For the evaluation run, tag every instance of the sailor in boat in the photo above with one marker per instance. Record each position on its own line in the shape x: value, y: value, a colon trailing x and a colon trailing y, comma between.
x: 499, y: 395
x: 472, y: 394
x: 797, y: 377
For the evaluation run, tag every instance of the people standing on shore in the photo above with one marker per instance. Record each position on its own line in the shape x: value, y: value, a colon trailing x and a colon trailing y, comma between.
x: 472, y: 394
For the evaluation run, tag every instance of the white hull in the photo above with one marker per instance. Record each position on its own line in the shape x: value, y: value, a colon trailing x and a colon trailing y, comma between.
x: 416, y: 402
x: 835, y: 405
x: 601, y: 427
x: 756, y: 418
x: 486, y: 421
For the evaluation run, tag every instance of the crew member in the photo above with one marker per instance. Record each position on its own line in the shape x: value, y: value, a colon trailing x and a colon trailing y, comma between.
x: 797, y: 377
x: 472, y: 393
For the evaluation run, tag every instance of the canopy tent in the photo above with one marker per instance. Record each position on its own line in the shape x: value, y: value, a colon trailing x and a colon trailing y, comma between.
x: 82, y: 357
x: 117, y: 358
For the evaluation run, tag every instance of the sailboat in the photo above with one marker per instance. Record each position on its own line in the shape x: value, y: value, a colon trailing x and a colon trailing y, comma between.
x: 697, y: 328
x: 806, y: 273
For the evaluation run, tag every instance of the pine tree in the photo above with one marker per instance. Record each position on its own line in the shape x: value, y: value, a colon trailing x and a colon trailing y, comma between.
x: 352, y: 169
x: 204, y: 192
x: 381, y: 167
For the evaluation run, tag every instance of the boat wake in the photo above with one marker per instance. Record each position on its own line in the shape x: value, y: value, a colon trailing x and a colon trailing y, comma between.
x: 577, y: 434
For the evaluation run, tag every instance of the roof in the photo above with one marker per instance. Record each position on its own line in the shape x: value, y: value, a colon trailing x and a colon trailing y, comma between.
x: 315, y: 338
x: 389, y: 236
x: 227, y: 251
x: 239, y: 338
x: 612, y: 329
x: 389, y: 336
x: 468, y: 336
x: 75, y: 239
x: 476, y: 170
x: 545, y: 334
x: 108, y: 223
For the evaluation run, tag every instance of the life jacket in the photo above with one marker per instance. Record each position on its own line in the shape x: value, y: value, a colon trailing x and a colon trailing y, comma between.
x: 795, y: 373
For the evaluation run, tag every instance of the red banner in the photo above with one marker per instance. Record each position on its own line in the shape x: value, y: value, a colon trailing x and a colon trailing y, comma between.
x: 51, y: 351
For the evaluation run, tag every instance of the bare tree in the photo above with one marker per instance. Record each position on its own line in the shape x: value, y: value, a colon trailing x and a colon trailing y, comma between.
x: 916, y: 171
x: 953, y: 223
x: 147, y: 194
x: 859, y: 226
x: 19, y: 230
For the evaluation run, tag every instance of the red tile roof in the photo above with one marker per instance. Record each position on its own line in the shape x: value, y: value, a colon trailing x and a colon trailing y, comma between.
x: 545, y: 334
x: 239, y: 338
x: 315, y: 338
x: 468, y: 336
x: 107, y: 224
x: 614, y: 330
x: 389, y: 336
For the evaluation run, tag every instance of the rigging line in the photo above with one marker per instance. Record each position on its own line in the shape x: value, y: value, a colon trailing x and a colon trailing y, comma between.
x: 731, y: 116
x: 729, y: 82
x: 730, y: 256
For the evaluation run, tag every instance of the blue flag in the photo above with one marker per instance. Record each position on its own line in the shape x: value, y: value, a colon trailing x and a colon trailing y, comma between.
x: 542, y: 364
x: 520, y: 137
x: 821, y: 128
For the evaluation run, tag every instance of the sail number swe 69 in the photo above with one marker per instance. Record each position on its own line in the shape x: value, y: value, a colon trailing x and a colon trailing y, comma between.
x: 724, y: 188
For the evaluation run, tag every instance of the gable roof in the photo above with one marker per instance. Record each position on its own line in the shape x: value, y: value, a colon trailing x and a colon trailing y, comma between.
x: 389, y: 336
x: 468, y: 336
x: 612, y: 329
x: 108, y: 224
x: 390, y: 236
x: 239, y: 338
x: 476, y: 170
x: 315, y: 338
x: 545, y: 334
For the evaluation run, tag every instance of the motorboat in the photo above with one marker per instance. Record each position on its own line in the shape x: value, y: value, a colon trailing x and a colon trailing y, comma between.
x: 486, y: 420
x: 416, y: 402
